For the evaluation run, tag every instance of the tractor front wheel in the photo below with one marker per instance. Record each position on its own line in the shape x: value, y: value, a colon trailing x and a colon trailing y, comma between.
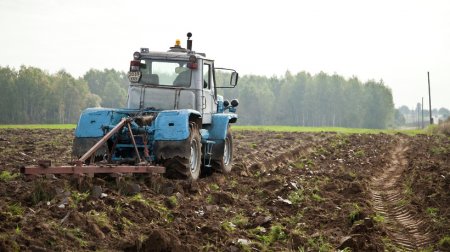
x: 196, y: 153
x: 224, y: 163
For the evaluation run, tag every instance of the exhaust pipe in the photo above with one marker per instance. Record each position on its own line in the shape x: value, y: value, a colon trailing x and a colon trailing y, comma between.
x: 189, y: 41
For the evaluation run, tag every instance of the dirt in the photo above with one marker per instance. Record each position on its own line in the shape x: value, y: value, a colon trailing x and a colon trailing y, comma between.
x: 389, y: 200
x: 287, y: 192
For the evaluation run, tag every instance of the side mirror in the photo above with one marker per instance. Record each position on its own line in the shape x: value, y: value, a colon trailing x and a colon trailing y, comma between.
x: 234, y: 79
x: 225, y: 77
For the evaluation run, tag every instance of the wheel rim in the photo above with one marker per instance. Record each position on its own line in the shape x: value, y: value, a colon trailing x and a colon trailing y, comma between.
x: 193, y: 160
x: 226, y: 152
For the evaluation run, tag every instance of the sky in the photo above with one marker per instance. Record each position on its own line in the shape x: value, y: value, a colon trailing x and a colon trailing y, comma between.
x: 393, y: 40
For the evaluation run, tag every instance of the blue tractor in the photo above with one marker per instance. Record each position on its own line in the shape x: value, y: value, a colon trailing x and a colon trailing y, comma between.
x: 174, y: 117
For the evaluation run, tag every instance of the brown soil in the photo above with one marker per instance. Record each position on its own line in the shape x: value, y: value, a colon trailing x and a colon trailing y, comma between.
x: 404, y: 228
x: 287, y: 191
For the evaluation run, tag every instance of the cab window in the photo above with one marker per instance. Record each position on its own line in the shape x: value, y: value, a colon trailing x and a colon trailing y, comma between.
x: 165, y: 73
x: 207, y: 76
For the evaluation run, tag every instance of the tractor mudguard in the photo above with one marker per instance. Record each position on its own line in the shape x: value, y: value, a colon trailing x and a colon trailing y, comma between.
x: 92, y: 121
x: 219, y: 126
x: 90, y: 128
x: 218, y: 132
x: 173, y: 125
x: 172, y: 133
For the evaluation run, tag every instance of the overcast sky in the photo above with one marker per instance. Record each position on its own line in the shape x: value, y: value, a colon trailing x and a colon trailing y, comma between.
x: 397, y: 41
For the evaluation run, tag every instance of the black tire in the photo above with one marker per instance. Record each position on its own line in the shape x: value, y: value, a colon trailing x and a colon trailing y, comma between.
x: 182, y: 159
x: 224, y: 163
x: 195, y: 159
x: 82, y: 145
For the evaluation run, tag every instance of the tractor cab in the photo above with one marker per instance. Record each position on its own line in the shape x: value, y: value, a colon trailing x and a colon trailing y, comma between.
x: 177, y: 79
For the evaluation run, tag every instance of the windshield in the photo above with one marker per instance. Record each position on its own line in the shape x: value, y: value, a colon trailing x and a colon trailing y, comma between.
x: 165, y: 73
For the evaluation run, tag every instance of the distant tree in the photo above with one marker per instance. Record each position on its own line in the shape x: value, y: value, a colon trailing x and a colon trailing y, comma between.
x: 378, y: 104
x: 8, y: 95
x: 399, y: 118
x: 32, y: 95
x: 73, y: 96
x: 444, y: 112
x: 108, y: 85
x: 33, y: 85
x: 353, y: 105
x: 404, y: 110
x: 435, y: 112
x: 319, y: 100
x: 256, y: 100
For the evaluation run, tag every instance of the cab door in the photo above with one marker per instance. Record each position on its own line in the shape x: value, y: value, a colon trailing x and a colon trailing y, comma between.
x: 208, y: 100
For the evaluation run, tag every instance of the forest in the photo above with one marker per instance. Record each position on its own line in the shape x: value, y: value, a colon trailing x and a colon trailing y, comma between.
x: 303, y: 99
x: 31, y: 95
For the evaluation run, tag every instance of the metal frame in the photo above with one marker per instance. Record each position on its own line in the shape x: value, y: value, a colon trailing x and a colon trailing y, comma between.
x: 44, y: 166
x: 91, y: 169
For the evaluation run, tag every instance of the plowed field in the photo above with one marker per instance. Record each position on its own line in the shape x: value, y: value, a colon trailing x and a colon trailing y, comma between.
x: 287, y: 192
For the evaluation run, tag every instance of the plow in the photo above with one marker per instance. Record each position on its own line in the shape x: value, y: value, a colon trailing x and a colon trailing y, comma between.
x: 79, y: 167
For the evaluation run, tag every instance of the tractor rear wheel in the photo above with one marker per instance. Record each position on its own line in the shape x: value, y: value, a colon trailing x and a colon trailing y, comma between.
x: 224, y: 164
x: 182, y: 158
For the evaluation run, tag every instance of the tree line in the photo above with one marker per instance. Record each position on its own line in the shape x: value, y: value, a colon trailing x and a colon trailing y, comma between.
x: 31, y: 95
x: 313, y: 100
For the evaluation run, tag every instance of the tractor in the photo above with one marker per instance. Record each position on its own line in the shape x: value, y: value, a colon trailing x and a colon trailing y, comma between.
x: 175, y: 121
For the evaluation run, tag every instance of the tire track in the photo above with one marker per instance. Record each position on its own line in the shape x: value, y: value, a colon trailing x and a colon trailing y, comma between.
x: 403, y: 227
x: 277, y: 156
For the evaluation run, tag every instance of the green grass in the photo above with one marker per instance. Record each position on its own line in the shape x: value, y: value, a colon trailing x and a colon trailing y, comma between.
x: 214, y: 187
x: 38, y: 126
x: 276, y: 233
x: 101, y: 218
x: 378, y: 218
x: 445, y: 241
x: 355, y: 213
x: 240, y: 128
x: 16, y: 209
x: 327, y: 129
x: 7, y: 176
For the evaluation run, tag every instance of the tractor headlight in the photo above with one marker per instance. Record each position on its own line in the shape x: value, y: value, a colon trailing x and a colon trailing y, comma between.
x: 136, y: 55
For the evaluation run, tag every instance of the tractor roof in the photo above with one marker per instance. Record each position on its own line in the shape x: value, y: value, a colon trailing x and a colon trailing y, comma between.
x: 175, y: 52
x: 171, y: 55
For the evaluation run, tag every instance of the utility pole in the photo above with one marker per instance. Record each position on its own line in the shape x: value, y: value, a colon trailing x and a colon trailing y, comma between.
x: 418, y: 115
x: 422, y: 114
x: 429, y: 98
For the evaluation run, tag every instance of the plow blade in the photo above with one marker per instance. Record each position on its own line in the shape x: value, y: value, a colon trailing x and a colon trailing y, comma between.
x: 92, y: 169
